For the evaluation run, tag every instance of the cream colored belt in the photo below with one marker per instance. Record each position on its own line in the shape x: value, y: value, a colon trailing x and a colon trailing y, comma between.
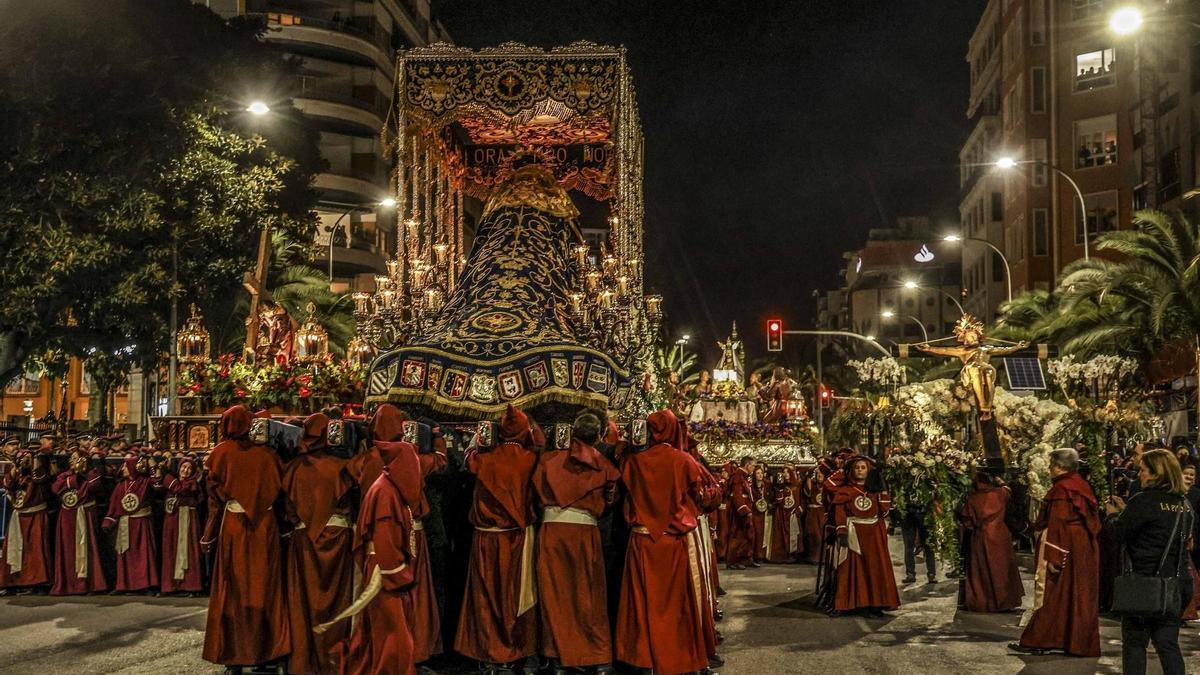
x: 234, y: 507
x: 14, y: 545
x: 417, y: 524
x: 335, y: 520
x: 123, y: 528
x: 570, y: 515
x: 83, y: 534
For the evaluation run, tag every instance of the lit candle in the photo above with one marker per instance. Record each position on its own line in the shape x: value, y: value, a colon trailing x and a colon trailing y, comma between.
x: 581, y: 252
x: 606, y: 297
x: 593, y: 280
x: 653, y: 305
x: 393, y: 267
x: 441, y: 250
x: 360, y: 301
x: 576, y: 302
x: 623, y: 285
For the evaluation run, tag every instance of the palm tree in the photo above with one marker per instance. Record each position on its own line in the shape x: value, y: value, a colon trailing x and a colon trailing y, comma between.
x: 1146, y: 299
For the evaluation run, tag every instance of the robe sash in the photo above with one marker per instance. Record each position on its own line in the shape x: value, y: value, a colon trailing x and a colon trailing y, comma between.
x: 183, y: 541
x: 123, y: 529
x: 14, y: 551
x: 83, y: 535
x: 570, y: 515
x: 528, y: 593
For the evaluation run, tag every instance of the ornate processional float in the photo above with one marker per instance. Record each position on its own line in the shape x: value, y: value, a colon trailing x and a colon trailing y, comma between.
x: 517, y: 274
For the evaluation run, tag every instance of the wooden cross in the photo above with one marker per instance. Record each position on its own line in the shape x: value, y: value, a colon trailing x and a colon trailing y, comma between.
x: 255, y: 285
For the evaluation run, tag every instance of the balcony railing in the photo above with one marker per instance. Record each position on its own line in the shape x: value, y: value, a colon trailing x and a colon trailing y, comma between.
x: 363, y: 27
x: 366, y: 97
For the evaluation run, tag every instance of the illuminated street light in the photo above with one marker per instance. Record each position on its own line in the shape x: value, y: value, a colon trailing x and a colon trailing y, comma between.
x: 258, y: 108
x: 387, y: 203
x: 914, y: 286
x: 911, y: 285
x: 952, y: 238
x: 887, y: 314
x: 1006, y: 162
x: 985, y: 242
x: 1125, y: 20
x: 870, y: 337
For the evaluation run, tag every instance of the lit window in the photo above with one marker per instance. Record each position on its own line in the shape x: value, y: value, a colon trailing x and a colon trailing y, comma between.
x: 1096, y: 141
x: 1094, y: 69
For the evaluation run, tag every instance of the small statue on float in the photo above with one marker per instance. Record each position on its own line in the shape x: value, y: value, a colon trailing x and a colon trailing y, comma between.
x: 275, y: 336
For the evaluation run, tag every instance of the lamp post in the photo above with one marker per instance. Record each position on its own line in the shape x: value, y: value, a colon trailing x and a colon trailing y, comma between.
x: 383, y: 203
x: 889, y: 314
x: 1008, y: 163
x: 914, y: 286
x: 1003, y: 258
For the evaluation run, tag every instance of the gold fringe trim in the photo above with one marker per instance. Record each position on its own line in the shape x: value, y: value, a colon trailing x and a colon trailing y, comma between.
x: 402, y: 395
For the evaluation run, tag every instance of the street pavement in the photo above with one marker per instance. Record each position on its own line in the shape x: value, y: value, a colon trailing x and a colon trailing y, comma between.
x: 770, y: 626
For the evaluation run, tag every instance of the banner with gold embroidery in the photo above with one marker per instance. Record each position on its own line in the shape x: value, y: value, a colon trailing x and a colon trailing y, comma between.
x: 504, y: 335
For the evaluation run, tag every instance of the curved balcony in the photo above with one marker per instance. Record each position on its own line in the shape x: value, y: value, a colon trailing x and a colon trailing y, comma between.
x: 350, y: 189
x: 361, y: 37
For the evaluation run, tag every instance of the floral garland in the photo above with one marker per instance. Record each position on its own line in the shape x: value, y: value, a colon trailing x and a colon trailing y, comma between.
x: 1105, y: 372
x: 886, y: 371
x: 290, y: 385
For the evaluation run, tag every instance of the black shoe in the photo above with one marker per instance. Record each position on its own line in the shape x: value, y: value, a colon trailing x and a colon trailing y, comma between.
x: 718, y: 615
x: 909, y: 579
x: 933, y: 578
x: 720, y: 592
x: 735, y: 567
x: 715, y: 661
x: 753, y: 564
x: 1022, y: 649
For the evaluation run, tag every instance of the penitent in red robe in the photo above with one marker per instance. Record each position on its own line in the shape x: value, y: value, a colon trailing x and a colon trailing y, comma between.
x: 320, y: 560
x: 813, y: 524
x: 247, y: 607
x: 27, y: 548
x: 864, y: 578
x: 759, y: 516
x: 778, y: 544
x: 129, y: 515
x: 498, y: 624
x: 739, y: 547
x: 993, y: 581
x: 77, y: 566
x: 382, y: 642
x: 660, y: 624
x: 1066, y: 607
x: 573, y: 487
x: 182, y: 563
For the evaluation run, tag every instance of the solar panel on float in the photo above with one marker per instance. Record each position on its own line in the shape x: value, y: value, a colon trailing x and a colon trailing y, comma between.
x: 1024, y: 373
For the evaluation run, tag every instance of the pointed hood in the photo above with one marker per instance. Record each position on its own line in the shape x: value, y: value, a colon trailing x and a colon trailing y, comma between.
x: 235, y: 423
x: 387, y: 424
x: 515, y: 427
x: 664, y: 428
x: 316, y: 434
x: 403, y: 467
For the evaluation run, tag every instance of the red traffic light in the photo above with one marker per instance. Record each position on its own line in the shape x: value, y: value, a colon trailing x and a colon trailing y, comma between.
x: 774, y: 335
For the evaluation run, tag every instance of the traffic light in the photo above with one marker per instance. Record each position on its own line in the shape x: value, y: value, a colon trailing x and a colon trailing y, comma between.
x: 826, y: 395
x: 774, y: 335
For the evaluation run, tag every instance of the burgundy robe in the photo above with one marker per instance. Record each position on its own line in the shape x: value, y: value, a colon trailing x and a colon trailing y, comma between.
x: 660, y: 624
x: 762, y: 506
x: 573, y: 487
x: 423, y: 615
x: 813, y: 522
x: 739, y: 548
x: 496, y: 624
x: 247, y: 606
x: 382, y: 642
x: 864, y: 577
x: 993, y: 581
x: 129, y: 515
x: 1066, y: 607
x: 777, y: 545
x: 182, y: 561
x: 320, y: 560
x: 29, y: 523
x: 77, y: 566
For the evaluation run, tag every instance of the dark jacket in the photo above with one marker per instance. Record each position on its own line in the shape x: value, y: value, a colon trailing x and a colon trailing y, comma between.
x: 1145, y: 525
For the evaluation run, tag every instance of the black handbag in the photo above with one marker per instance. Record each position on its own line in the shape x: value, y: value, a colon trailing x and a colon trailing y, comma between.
x: 1150, y: 596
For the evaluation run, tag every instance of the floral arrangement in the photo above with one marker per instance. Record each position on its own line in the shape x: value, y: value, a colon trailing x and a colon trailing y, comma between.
x: 290, y: 385
x: 727, y: 391
x: 1096, y: 376
x: 1029, y: 428
x: 886, y: 371
x: 724, y: 440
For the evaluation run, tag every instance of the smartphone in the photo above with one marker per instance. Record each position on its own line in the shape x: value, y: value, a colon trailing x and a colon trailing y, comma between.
x: 562, y: 436
x: 485, y: 435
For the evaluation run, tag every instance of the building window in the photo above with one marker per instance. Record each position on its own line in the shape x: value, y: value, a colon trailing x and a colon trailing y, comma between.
x: 1168, y: 176
x: 997, y: 206
x: 28, y: 384
x: 1037, y: 22
x: 1037, y: 94
x: 1037, y: 152
x: 1101, y: 215
x: 1041, y: 233
x: 1096, y: 141
x: 1094, y: 69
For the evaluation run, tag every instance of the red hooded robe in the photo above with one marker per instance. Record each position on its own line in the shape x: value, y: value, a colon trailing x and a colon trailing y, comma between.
x: 320, y: 561
x: 573, y: 486
x: 129, y: 513
x: 27, y: 548
x: 993, y: 581
x: 77, y: 569
x: 1066, y: 605
x: 660, y: 623
x: 497, y: 624
x: 864, y: 578
x: 247, y: 605
x: 182, y: 566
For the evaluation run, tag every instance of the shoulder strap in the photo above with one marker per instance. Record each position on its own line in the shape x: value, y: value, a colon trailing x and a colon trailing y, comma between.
x: 1170, y: 543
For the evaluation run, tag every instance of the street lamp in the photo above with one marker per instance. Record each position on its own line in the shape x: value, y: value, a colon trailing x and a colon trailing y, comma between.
x: 1125, y: 21
x: 258, y: 108
x: 1008, y: 163
x: 889, y: 314
x: 385, y: 203
x: 1007, y: 270
x: 914, y: 286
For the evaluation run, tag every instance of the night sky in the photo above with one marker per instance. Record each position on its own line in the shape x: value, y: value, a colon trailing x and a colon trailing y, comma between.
x: 777, y: 134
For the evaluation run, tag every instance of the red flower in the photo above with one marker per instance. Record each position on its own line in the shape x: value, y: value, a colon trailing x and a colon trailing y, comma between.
x: 304, y: 392
x: 195, y: 387
x: 289, y: 382
x: 239, y: 392
x: 281, y: 359
x: 306, y: 379
x: 224, y: 372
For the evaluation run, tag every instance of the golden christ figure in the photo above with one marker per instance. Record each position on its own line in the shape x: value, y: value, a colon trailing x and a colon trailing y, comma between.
x: 977, y: 373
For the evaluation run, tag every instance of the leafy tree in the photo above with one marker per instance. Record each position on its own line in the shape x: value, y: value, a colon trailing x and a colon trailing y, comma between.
x: 122, y: 146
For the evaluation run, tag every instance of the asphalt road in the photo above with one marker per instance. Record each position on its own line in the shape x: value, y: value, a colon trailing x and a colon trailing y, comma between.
x: 770, y: 627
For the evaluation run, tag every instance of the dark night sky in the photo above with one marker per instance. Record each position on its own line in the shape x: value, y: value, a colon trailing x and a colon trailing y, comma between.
x: 777, y: 134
